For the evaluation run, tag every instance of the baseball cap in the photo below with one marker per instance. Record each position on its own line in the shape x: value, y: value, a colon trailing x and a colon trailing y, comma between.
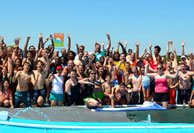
x: 59, y: 68
x: 183, y: 56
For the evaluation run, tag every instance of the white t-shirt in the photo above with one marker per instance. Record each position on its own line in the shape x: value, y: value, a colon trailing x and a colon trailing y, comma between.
x: 57, y: 85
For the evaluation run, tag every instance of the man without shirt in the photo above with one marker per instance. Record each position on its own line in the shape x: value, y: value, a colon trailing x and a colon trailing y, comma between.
x: 38, y: 80
x: 108, y: 92
x: 184, y: 84
x: 136, y: 79
x: 22, y: 94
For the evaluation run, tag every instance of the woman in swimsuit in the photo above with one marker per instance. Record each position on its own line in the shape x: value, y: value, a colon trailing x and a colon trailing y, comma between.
x: 145, y: 85
x: 161, y: 86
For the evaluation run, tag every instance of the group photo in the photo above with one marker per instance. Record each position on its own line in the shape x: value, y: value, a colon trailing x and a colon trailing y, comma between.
x: 97, y: 66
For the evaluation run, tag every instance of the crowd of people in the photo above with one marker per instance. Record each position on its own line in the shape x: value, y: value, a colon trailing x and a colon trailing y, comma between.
x: 35, y: 76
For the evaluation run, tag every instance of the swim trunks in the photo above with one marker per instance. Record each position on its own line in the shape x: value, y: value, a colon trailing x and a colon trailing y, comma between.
x: 22, y: 97
x: 36, y: 94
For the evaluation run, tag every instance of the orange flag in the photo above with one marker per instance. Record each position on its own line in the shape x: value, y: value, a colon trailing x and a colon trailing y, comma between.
x: 59, y: 39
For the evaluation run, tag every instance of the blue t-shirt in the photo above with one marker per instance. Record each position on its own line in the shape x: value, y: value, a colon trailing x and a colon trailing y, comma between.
x: 98, y: 55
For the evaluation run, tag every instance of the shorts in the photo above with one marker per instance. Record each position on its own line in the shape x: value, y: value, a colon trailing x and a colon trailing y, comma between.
x: 86, y: 99
x: 136, y: 98
x: 161, y: 97
x: 36, y: 94
x: 148, y: 86
x: 92, y: 107
x: 56, y: 97
x: 22, y: 97
x: 184, y: 96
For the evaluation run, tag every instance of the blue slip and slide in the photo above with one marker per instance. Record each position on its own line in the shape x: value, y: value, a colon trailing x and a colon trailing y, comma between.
x: 146, y: 106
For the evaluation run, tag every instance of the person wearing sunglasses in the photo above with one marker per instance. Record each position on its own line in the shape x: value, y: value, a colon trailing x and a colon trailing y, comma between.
x: 161, y: 85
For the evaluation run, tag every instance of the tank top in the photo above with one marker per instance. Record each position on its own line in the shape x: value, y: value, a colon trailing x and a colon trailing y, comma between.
x: 4, y: 96
x: 75, y: 92
x: 57, y: 85
x: 161, y: 85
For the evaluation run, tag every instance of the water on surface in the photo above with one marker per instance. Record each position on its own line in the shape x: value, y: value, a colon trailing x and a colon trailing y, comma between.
x: 31, y: 110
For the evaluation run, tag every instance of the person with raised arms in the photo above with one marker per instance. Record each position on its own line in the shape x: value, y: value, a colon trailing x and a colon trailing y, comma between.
x: 98, y: 53
x: 171, y: 57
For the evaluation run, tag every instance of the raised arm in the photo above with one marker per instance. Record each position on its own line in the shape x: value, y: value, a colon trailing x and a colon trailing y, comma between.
x: 53, y: 45
x: 77, y: 46
x: 105, y: 61
x: 26, y: 46
x: 143, y: 54
x: 109, y: 41
x: 175, y: 55
x: 149, y: 74
x: 69, y: 44
x: 183, y: 45
x: 1, y: 45
x: 17, y: 40
x: 10, y: 67
x: 1, y: 49
x: 191, y: 62
x: 102, y: 45
x: 167, y: 51
x: 137, y: 50
x: 45, y: 41
x: 40, y: 41
x: 47, y: 67
x: 126, y: 42
x: 36, y: 57
x: 123, y: 48
x: 117, y: 49
x: 2, y: 40
x: 150, y: 48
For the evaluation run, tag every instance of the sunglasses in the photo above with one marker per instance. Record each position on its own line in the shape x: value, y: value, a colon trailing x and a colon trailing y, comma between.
x: 93, y: 73
x: 159, y: 68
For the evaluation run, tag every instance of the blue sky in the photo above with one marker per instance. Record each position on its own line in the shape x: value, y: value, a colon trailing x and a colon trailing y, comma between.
x: 145, y: 21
